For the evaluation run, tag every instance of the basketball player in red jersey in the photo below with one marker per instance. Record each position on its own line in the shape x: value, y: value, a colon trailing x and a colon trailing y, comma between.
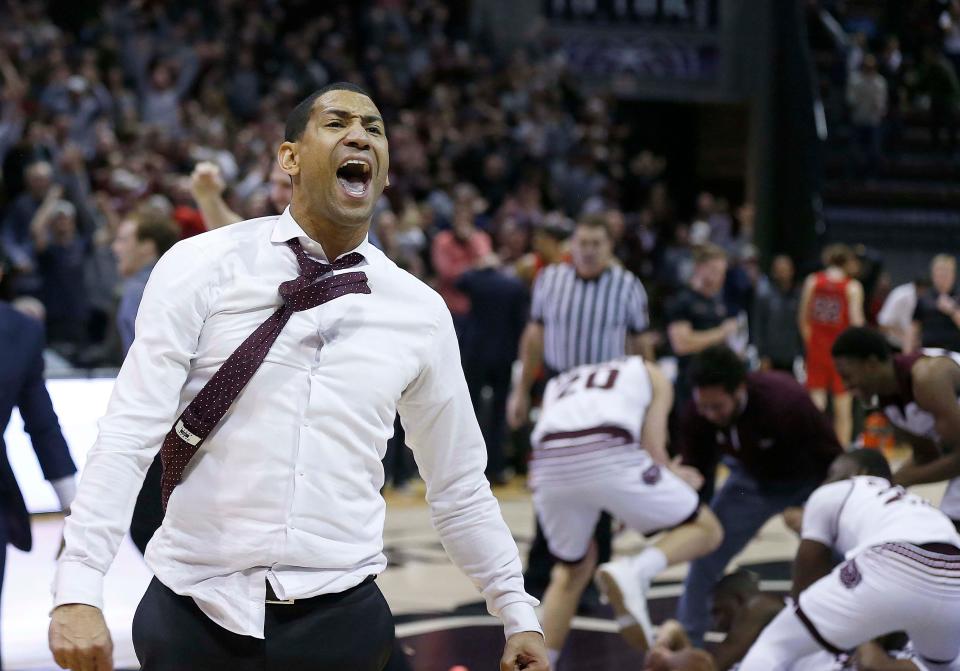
x: 832, y: 300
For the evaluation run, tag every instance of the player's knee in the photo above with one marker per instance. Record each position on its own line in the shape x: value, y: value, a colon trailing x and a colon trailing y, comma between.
x: 574, y: 576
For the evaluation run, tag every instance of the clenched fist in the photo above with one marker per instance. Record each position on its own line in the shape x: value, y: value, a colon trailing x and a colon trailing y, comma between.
x: 79, y: 638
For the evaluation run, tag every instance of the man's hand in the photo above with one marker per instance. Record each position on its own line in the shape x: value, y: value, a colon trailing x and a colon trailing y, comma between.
x: 671, y: 636
x: 688, y: 474
x: 79, y: 638
x: 206, y: 181
x: 946, y: 305
x: 871, y: 655
x: 525, y: 650
x: 658, y: 659
x: 518, y: 409
x: 793, y: 518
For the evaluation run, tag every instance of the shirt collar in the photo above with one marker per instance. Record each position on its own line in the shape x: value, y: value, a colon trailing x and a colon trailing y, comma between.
x: 286, y: 228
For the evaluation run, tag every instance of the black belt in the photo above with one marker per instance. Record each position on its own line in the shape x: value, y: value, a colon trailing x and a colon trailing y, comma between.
x: 273, y: 600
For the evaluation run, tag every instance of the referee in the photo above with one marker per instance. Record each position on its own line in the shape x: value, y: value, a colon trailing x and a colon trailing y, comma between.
x: 590, y: 311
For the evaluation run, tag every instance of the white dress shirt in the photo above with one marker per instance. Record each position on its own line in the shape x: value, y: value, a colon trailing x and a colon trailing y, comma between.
x: 286, y: 487
x: 897, y: 311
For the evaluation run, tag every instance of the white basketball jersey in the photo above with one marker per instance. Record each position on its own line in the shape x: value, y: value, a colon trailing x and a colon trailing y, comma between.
x: 590, y: 421
x: 853, y: 515
x: 615, y: 394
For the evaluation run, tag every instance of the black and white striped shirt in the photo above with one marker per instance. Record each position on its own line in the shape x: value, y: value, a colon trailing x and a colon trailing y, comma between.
x: 587, y: 321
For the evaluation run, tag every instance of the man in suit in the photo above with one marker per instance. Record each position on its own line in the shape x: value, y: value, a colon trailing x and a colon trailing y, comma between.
x: 23, y: 386
x: 491, y: 331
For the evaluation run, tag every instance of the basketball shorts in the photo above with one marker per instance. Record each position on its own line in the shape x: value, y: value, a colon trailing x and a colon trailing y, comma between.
x: 886, y: 588
x: 821, y: 373
x: 647, y: 498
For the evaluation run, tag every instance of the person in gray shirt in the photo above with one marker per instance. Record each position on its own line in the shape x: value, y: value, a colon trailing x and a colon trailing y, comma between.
x: 141, y: 240
x: 775, y: 331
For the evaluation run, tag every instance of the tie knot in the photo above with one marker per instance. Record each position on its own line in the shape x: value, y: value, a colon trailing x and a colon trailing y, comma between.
x: 312, y: 269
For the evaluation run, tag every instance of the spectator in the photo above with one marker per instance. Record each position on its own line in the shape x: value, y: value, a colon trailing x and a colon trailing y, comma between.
x: 17, y: 238
x: 498, y: 311
x: 896, y: 316
x: 11, y: 99
x: 61, y: 260
x: 453, y: 252
x: 867, y: 98
x: 856, y: 51
x: 936, y: 319
x: 937, y: 79
x: 775, y: 442
x: 774, y: 324
x: 162, y: 86
x: 141, y: 240
x: 549, y: 247
x: 697, y: 317
x: 207, y: 186
x: 82, y: 102
x: 950, y: 26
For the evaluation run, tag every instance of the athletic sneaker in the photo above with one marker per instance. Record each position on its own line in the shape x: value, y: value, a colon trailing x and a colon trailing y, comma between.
x: 626, y: 593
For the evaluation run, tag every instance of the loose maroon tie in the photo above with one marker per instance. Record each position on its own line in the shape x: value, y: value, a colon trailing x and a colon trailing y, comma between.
x: 211, y: 404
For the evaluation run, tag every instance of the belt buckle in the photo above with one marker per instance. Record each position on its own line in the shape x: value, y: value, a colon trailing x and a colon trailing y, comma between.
x: 274, y: 601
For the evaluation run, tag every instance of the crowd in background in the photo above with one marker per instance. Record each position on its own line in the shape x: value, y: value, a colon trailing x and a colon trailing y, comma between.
x: 888, y: 67
x: 125, y: 131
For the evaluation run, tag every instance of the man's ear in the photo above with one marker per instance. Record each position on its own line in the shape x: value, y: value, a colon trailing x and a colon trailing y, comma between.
x: 288, y: 158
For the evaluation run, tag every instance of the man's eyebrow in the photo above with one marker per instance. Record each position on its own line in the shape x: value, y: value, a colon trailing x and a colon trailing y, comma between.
x: 344, y: 114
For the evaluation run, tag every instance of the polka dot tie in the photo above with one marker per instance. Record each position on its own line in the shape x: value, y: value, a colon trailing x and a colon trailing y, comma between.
x: 211, y: 404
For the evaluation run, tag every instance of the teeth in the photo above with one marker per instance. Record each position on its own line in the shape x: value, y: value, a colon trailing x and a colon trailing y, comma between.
x: 366, y: 167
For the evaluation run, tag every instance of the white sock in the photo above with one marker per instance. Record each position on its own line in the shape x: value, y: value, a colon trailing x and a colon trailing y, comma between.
x: 649, y: 563
x: 552, y: 657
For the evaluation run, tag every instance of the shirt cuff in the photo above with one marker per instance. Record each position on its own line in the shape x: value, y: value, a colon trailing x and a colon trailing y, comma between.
x: 517, y: 617
x: 77, y: 583
x: 66, y: 490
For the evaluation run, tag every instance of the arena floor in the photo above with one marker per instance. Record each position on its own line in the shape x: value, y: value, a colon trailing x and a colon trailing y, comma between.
x: 441, y: 620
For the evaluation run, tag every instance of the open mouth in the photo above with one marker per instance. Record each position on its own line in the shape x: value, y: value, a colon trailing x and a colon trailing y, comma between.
x: 354, y: 176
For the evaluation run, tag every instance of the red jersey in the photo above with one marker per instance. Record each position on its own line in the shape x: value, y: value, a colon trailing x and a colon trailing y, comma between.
x: 829, y: 311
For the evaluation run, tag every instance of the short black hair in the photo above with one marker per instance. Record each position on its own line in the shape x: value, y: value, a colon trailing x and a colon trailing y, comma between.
x: 861, y: 343
x: 300, y: 116
x: 596, y: 222
x: 872, y: 462
x: 717, y: 366
x: 739, y: 582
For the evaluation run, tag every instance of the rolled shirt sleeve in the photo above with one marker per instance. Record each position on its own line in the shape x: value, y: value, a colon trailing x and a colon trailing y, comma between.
x: 141, y: 411
x: 442, y: 431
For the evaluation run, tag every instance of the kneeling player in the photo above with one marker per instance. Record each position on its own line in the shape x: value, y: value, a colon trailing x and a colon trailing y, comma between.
x: 902, y: 572
x: 600, y: 445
